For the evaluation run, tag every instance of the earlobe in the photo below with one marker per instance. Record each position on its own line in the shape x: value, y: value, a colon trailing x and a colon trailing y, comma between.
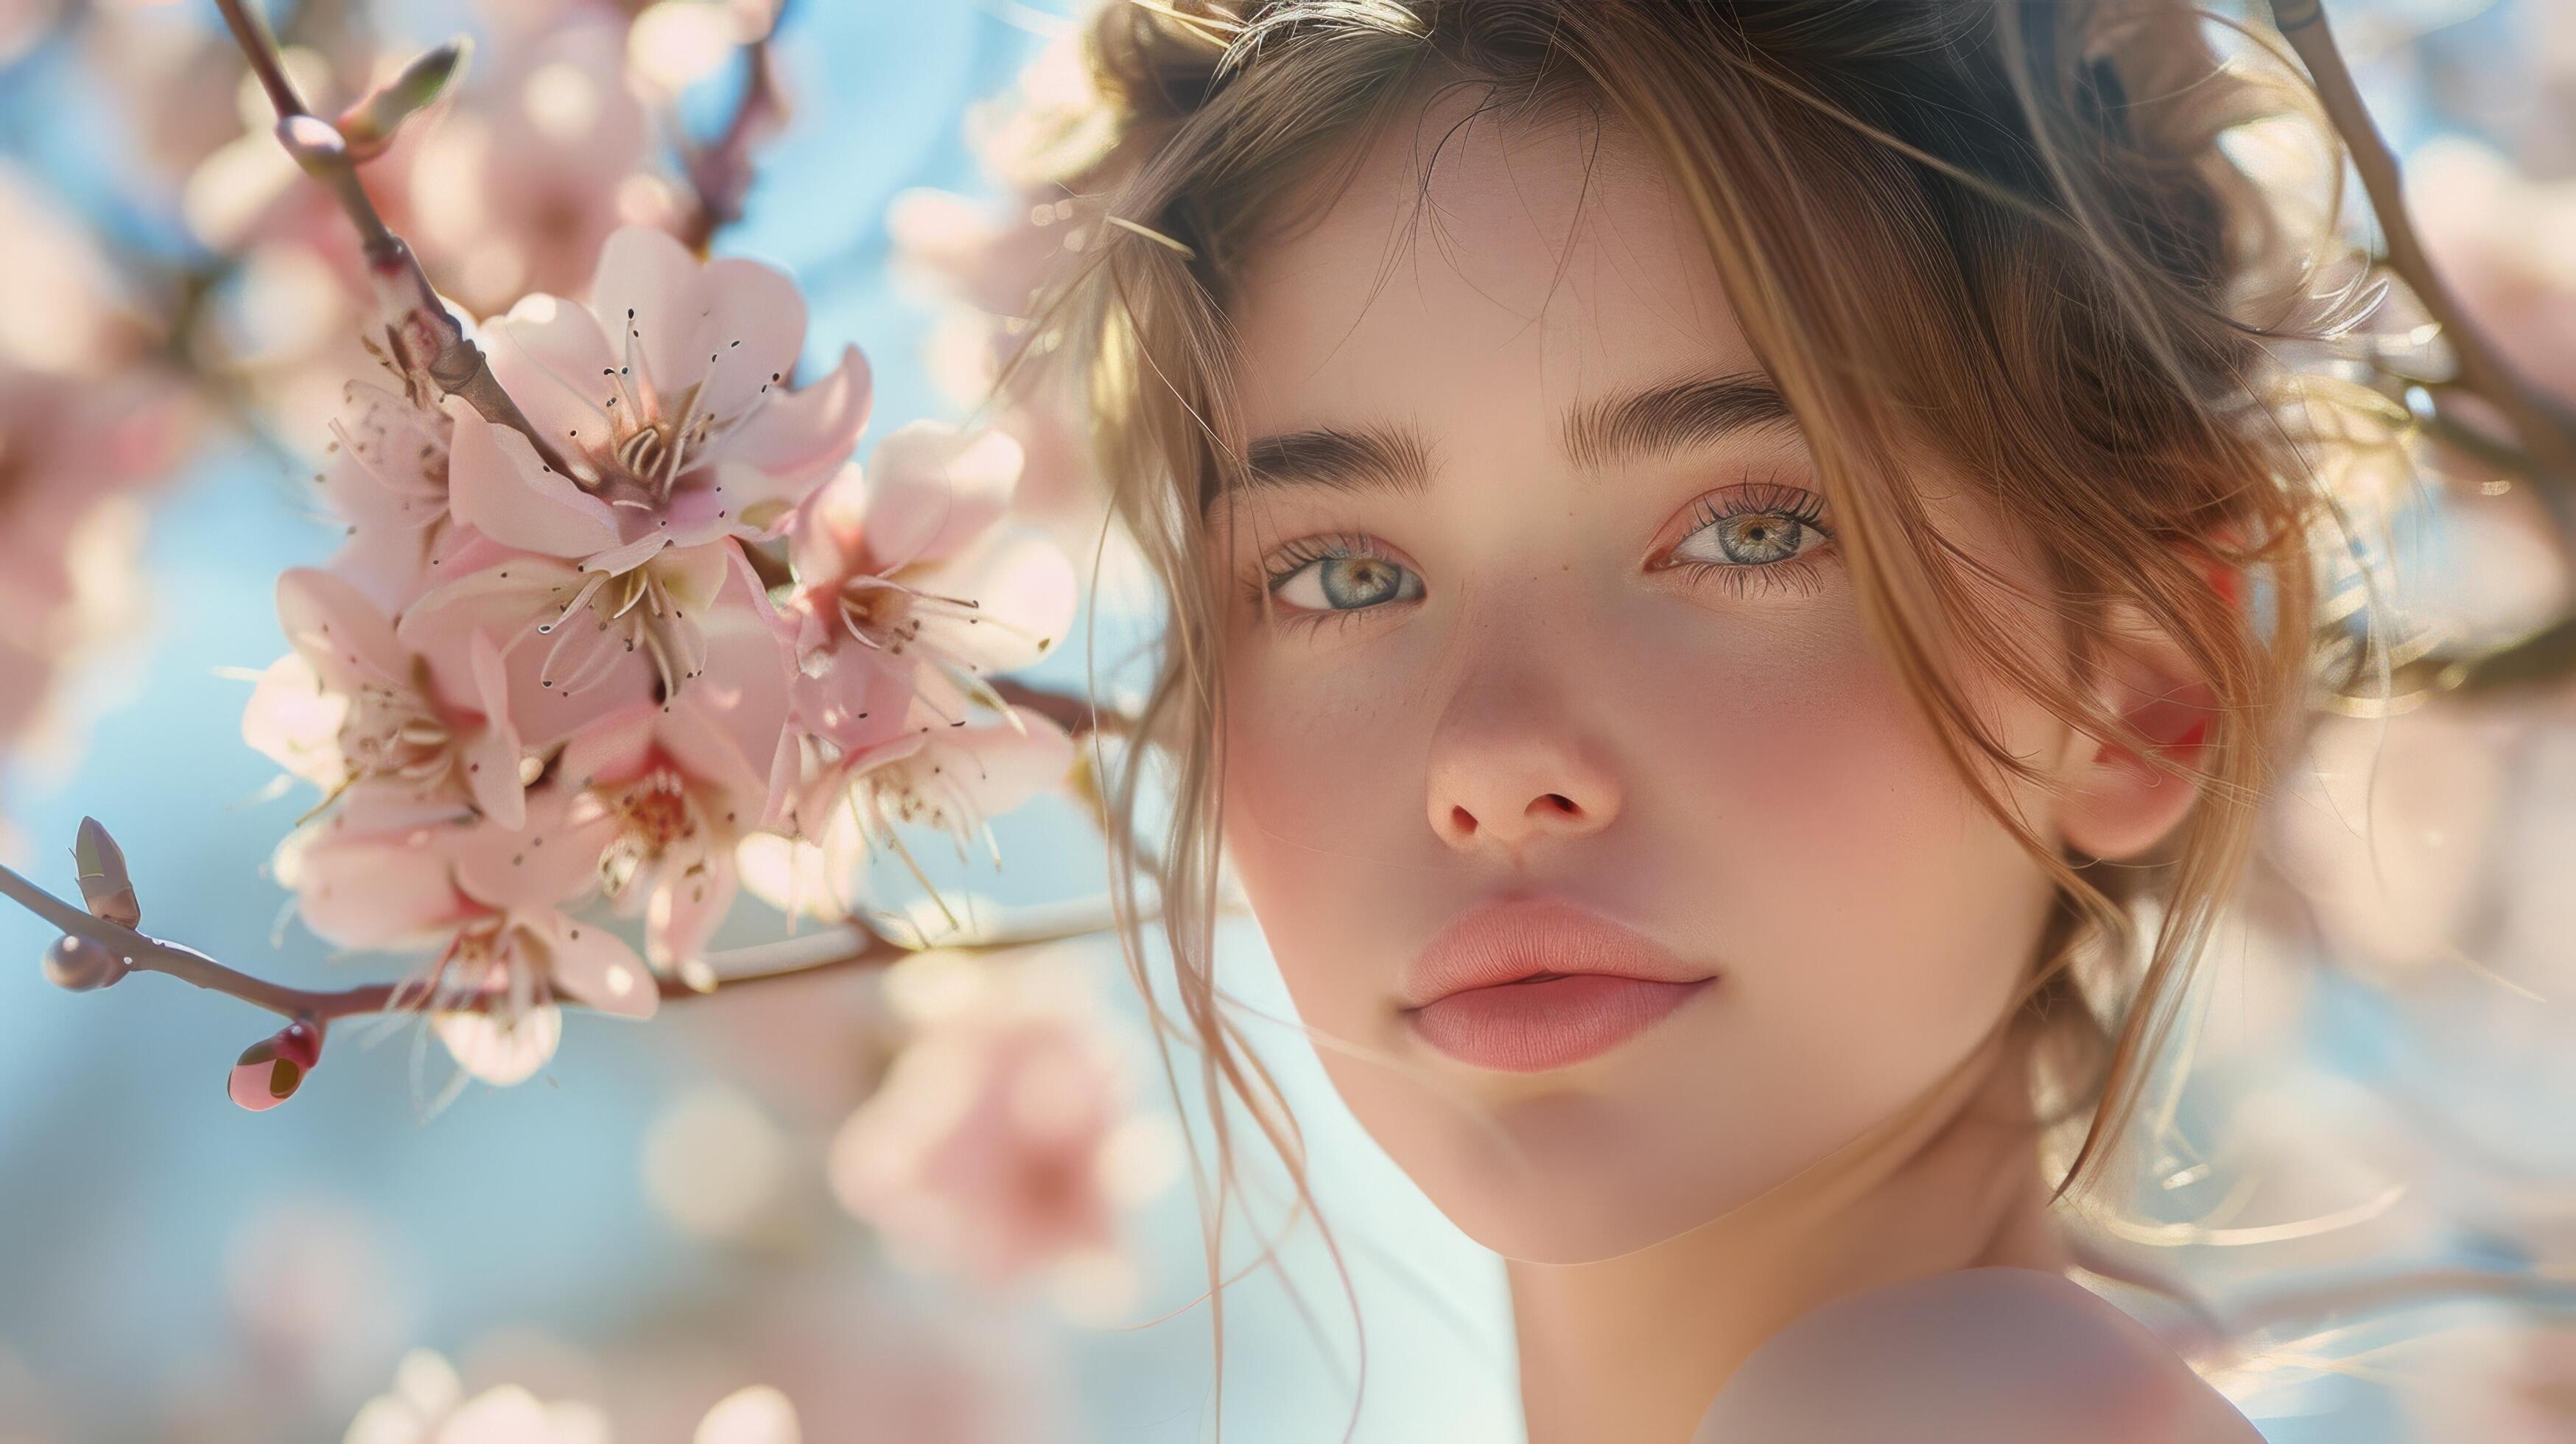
x: 2118, y: 805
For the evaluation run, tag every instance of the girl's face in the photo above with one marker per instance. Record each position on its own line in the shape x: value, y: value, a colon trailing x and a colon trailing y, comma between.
x: 1557, y: 615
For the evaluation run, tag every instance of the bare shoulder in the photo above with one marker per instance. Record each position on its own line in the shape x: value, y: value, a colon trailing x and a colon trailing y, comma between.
x: 1996, y: 1355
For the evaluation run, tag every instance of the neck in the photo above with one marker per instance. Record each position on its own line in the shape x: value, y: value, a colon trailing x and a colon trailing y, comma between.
x: 1635, y: 1347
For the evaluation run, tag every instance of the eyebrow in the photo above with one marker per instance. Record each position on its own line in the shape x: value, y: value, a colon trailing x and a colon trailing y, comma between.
x: 1674, y: 416
x: 1657, y: 420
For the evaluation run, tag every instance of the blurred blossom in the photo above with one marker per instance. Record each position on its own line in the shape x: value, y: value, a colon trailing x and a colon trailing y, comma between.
x: 427, y: 1405
x: 2506, y: 246
x: 714, y: 1162
x: 983, y: 263
x: 63, y: 310
x: 988, y: 1148
x: 86, y: 421
x: 753, y: 1414
x: 677, y: 43
x: 317, y: 1299
x: 73, y: 452
x: 519, y: 183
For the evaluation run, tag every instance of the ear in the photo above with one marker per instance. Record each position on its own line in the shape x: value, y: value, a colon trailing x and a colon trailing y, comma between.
x: 2116, y: 805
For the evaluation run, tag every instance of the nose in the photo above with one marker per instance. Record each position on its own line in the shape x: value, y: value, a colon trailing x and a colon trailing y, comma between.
x: 1505, y: 775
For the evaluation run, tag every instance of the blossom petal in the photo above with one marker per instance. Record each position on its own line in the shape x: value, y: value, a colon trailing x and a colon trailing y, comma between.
x: 294, y: 719
x: 595, y: 965
x: 1025, y: 593
x: 688, y: 906
x: 613, y: 749
x: 510, y: 600
x: 825, y: 546
x: 751, y: 328
x: 550, y: 861
x: 492, y: 757
x: 932, y: 489
x: 498, y: 485
x: 368, y: 892
x: 553, y: 358
x: 1011, y: 766
x: 646, y: 294
x: 336, y: 629
x: 801, y: 436
x: 500, y: 1051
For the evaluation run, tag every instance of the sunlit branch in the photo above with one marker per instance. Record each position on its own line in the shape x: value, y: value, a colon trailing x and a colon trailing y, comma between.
x: 845, y: 946
x: 2545, y: 435
x: 423, y: 329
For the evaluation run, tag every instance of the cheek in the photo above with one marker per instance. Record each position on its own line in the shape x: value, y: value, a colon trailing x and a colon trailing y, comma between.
x: 1867, y: 906
x: 1323, y: 815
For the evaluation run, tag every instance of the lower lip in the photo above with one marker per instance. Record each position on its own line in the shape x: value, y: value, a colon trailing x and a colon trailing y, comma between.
x: 1533, y: 1027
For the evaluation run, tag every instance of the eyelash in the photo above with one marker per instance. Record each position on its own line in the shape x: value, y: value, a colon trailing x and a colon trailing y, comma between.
x: 1302, y: 553
x: 1743, y: 578
x: 1797, y: 503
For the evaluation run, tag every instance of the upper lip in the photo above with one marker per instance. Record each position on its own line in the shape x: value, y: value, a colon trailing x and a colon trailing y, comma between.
x: 1504, y: 941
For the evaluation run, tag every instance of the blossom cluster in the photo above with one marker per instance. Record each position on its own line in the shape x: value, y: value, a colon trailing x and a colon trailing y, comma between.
x: 571, y: 666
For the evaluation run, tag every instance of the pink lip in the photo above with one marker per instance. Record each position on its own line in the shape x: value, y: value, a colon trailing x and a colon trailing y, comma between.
x: 1534, y: 984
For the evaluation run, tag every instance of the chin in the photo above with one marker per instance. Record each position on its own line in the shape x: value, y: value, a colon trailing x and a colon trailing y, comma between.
x: 1560, y: 1176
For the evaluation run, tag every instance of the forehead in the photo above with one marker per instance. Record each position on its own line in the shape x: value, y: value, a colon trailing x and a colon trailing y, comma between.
x: 1478, y: 277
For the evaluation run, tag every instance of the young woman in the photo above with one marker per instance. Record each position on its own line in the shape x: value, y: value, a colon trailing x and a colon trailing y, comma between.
x: 1736, y: 574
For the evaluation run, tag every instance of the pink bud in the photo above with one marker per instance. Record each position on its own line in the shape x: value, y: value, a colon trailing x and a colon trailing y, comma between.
x: 80, y: 964
x: 264, y: 1077
x: 107, y: 889
x: 300, y: 1042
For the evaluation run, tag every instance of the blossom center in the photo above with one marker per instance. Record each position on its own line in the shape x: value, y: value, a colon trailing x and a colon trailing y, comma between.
x: 632, y: 610
x: 391, y: 732
x: 655, y: 818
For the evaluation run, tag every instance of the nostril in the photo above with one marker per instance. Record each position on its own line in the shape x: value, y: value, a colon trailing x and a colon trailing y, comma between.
x: 1463, y: 820
x: 1558, y: 803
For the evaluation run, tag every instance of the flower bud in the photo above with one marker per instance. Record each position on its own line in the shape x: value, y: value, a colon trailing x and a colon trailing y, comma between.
x: 107, y: 889
x: 368, y: 126
x: 265, y: 1076
x: 301, y: 1041
x: 80, y: 964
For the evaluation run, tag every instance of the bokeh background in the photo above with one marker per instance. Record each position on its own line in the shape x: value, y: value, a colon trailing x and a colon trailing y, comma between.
x: 654, y: 1239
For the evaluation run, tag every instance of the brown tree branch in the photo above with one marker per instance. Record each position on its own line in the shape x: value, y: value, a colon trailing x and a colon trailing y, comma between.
x: 852, y: 945
x: 2544, y: 437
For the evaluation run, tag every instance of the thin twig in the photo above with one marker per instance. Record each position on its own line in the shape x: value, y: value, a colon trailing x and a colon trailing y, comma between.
x: 721, y: 174
x: 849, y: 946
x: 422, y: 329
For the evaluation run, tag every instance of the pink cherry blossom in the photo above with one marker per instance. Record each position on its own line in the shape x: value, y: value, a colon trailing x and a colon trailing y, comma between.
x: 673, y: 440
x: 951, y: 777
x: 678, y: 431
x: 386, y: 870
x: 351, y: 703
x: 679, y: 784
x: 577, y: 644
x: 913, y: 562
x: 387, y: 479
